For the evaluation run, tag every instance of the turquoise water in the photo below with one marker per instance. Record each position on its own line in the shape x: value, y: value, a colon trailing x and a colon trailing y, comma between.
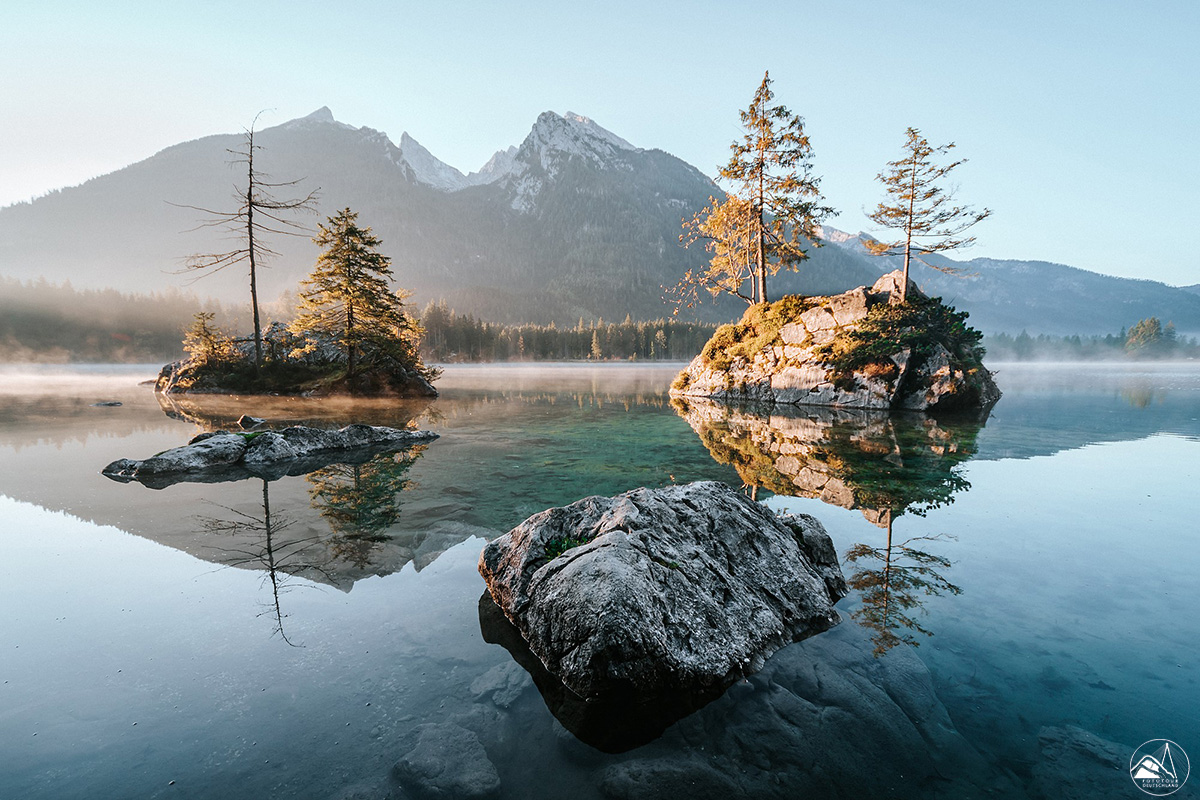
x: 176, y: 643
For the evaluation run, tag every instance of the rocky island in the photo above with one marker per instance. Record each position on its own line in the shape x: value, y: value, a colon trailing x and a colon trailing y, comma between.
x: 860, y: 349
x: 219, y: 456
x: 312, y: 365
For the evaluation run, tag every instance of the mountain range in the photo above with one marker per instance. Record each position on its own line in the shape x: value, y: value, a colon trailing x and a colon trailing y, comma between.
x: 572, y: 222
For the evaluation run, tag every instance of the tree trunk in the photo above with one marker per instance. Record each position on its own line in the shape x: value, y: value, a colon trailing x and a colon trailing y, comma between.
x: 350, y: 343
x: 912, y: 195
x: 250, y: 249
x: 762, y: 261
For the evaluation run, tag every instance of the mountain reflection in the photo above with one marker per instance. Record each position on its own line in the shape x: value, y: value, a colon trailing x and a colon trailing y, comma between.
x: 352, y: 527
x: 884, y: 465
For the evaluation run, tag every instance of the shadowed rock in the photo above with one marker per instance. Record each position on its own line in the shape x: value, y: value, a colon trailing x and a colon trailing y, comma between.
x: 683, y: 588
x: 222, y: 456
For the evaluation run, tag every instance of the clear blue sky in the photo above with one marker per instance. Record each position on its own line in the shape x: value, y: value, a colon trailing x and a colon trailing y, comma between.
x: 1080, y: 119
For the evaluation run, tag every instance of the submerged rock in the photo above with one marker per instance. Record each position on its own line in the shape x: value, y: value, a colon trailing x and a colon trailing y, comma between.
x: 222, y: 456
x: 1079, y: 765
x: 448, y: 761
x: 784, y: 353
x: 658, y: 590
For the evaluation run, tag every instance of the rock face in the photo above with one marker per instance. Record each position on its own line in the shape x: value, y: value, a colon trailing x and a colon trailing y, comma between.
x: 223, y: 456
x: 790, y: 370
x: 673, y: 589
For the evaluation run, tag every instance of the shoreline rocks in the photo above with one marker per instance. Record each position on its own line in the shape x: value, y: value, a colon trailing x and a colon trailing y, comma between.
x: 222, y: 456
x: 683, y: 588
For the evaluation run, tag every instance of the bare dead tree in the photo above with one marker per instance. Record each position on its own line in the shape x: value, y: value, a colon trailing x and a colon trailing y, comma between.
x: 258, y: 213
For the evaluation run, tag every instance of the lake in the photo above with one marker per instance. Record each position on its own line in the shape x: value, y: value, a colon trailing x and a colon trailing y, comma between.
x: 1023, y: 618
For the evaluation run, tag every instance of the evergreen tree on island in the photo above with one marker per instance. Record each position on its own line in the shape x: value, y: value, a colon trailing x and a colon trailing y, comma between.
x: 348, y: 296
x: 922, y: 212
x: 772, y: 213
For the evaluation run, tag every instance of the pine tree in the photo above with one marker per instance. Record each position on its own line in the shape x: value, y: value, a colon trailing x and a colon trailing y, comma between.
x: 774, y: 208
x: 922, y: 211
x: 203, y: 342
x: 348, y: 295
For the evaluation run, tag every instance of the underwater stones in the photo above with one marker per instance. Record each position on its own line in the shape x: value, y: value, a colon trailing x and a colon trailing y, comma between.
x: 673, y: 589
x: 1079, y: 765
x: 220, y: 455
x: 448, y: 761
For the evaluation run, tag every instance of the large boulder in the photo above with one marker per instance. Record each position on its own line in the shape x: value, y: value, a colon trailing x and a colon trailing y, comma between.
x: 658, y: 590
x: 782, y: 354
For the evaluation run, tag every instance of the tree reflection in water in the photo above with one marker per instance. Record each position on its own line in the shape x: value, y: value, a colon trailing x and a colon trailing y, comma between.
x: 882, y: 464
x: 279, y: 559
x: 361, y: 501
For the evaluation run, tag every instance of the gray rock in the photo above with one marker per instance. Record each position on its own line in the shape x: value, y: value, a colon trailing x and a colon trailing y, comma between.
x: 1078, y: 765
x: 223, y: 456
x: 679, y: 588
x: 448, y: 761
x: 269, y: 448
x: 247, y: 421
x: 108, y: 404
x: 214, y: 451
x: 502, y: 684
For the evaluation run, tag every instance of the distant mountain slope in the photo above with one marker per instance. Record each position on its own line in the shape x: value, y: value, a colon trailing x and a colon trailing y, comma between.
x: 1041, y: 297
x: 573, y: 222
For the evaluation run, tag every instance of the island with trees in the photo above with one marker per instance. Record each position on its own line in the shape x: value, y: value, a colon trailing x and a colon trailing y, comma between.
x: 352, y: 333
x: 883, y: 347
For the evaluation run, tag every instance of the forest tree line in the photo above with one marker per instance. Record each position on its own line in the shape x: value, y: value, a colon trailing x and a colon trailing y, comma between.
x: 451, y: 337
x: 1148, y: 339
x: 46, y: 322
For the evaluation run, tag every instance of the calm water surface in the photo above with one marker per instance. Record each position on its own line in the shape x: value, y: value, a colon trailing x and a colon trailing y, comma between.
x: 1024, y: 605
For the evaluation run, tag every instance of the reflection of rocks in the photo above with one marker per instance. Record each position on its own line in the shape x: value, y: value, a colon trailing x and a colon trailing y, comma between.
x: 679, y: 588
x: 448, y: 761
x: 882, y: 464
x: 1078, y: 765
x: 218, y: 457
x: 874, y: 461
